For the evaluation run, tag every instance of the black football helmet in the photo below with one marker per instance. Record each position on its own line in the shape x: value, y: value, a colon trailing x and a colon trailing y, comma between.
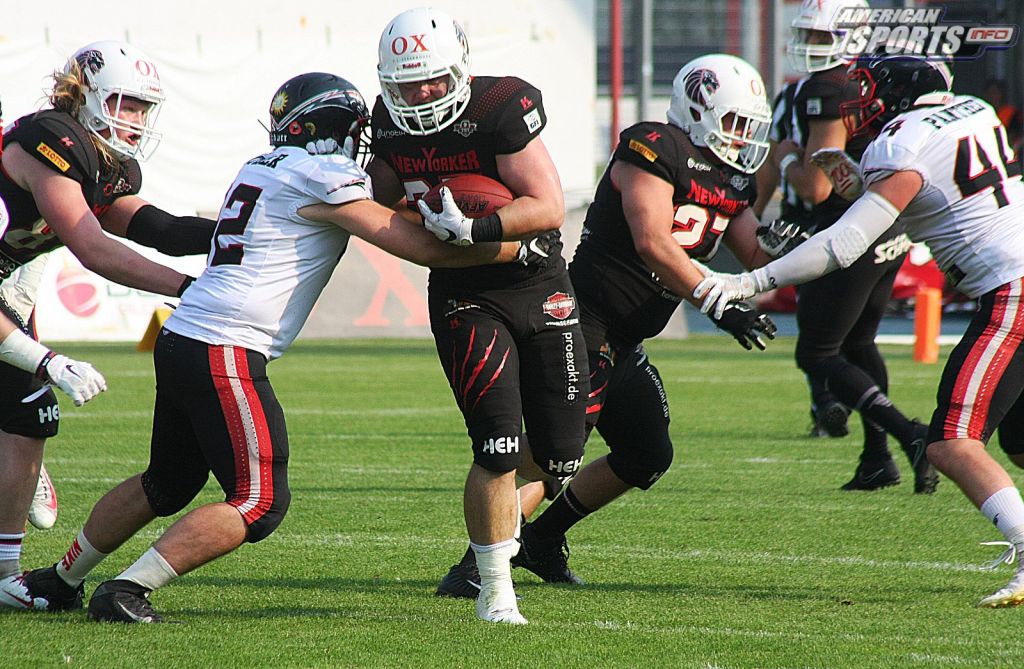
x: 891, y: 85
x: 318, y: 105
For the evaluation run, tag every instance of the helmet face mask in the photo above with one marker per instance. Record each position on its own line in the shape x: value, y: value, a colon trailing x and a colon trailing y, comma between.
x: 317, y: 106
x: 114, y: 74
x: 422, y: 45
x: 818, y: 40
x: 719, y: 101
x: 889, y: 86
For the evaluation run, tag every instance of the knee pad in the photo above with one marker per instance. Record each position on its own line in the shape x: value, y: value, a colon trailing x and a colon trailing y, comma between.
x: 264, y: 526
x: 641, y: 468
x: 560, y: 460
x: 168, y: 498
x: 816, y: 366
x: 499, y: 453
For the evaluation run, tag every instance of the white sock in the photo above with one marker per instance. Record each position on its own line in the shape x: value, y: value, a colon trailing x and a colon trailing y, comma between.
x: 151, y: 571
x: 80, y: 559
x: 10, y: 554
x: 1005, y: 509
x: 492, y: 561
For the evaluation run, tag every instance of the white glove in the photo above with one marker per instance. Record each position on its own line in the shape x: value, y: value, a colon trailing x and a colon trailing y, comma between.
x: 842, y: 172
x: 321, y: 147
x: 79, y: 380
x: 718, y: 290
x: 450, y: 224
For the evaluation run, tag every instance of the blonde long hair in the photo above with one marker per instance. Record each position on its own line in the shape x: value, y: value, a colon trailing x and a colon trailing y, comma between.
x: 68, y: 96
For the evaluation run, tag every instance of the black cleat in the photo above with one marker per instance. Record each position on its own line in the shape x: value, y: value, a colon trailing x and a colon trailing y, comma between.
x: 874, y: 475
x: 47, y: 584
x: 121, y: 601
x: 462, y: 580
x: 545, y: 558
x: 830, y: 420
x: 926, y: 479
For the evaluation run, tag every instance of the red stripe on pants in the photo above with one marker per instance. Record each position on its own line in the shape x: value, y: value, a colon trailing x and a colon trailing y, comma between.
x: 254, y: 490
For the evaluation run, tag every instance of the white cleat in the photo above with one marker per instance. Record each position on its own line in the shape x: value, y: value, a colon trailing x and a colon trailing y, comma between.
x: 1013, y: 593
x: 43, y: 512
x: 496, y: 603
x: 15, y: 595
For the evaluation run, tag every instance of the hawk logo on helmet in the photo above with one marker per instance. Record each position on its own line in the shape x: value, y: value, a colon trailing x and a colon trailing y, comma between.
x: 91, y: 60
x: 701, y: 85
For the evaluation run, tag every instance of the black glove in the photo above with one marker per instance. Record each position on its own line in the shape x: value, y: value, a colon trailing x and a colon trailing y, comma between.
x: 746, y: 324
x: 780, y: 237
x: 536, y: 251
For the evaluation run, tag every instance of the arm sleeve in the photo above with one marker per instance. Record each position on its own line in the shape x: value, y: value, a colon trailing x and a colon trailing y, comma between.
x: 838, y: 246
x: 173, y: 235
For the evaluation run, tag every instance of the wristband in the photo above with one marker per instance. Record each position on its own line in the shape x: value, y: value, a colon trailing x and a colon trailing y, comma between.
x: 185, y: 284
x: 21, y: 351
x: 786, y: 161
x: 487, y: 229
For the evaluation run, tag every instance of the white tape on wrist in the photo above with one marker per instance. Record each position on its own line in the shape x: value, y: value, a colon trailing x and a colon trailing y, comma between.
x: 21, y: 351
x: 788, y: 160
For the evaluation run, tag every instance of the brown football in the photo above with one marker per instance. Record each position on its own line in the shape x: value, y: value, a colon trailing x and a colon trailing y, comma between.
x: 475, y: 194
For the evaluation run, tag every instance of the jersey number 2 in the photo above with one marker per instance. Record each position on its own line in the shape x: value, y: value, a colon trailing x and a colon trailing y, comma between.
x: 244, y: 197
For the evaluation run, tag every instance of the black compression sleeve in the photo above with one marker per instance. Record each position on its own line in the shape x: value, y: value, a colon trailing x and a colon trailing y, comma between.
x: 173, y: 235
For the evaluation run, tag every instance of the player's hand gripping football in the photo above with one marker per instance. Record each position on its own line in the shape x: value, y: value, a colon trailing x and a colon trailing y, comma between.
x: 780, y: 237
x: 450, y: 224
x: 79, y: 380
x: 842, y: 172
x: 745, y: 324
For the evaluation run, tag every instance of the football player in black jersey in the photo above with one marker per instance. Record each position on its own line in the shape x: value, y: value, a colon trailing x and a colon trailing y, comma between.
x: 670, y: 195
x: 508, y: 337
x: 69, y: 172
x: 838, y: 315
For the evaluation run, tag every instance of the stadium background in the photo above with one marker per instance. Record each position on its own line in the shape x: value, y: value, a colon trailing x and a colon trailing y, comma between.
x: 220, y: 63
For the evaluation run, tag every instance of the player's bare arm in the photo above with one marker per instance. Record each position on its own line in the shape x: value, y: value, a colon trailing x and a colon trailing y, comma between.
x: 741, y: 238
x: 808, y: 180
x: 767, y: 181
x: 391, y: 232
x: 62, y: 204
x: 647, y: 204
x: 539, y: 205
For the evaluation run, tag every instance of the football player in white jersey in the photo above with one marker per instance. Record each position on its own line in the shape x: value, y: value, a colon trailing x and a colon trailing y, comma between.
x: 943, y: 165
x: 284, y: 225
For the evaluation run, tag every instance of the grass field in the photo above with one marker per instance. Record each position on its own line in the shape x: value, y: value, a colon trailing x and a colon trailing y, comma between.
x: 746, y: 554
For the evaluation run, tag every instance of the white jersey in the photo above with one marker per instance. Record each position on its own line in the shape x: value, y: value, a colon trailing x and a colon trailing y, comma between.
x: 268, y: 265
x: 970, y: 210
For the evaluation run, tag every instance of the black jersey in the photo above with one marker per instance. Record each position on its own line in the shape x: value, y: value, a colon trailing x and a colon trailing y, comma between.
x: 816, y: 97
x: 61, y: 143
x: 619, y: 295
x: 504, y: 114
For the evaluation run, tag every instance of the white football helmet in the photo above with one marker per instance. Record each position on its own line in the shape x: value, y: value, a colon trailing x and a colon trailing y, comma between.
x: 112, y: 71
x: 818, y: 36
x: 720, y: 102
x: 420, y: 44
